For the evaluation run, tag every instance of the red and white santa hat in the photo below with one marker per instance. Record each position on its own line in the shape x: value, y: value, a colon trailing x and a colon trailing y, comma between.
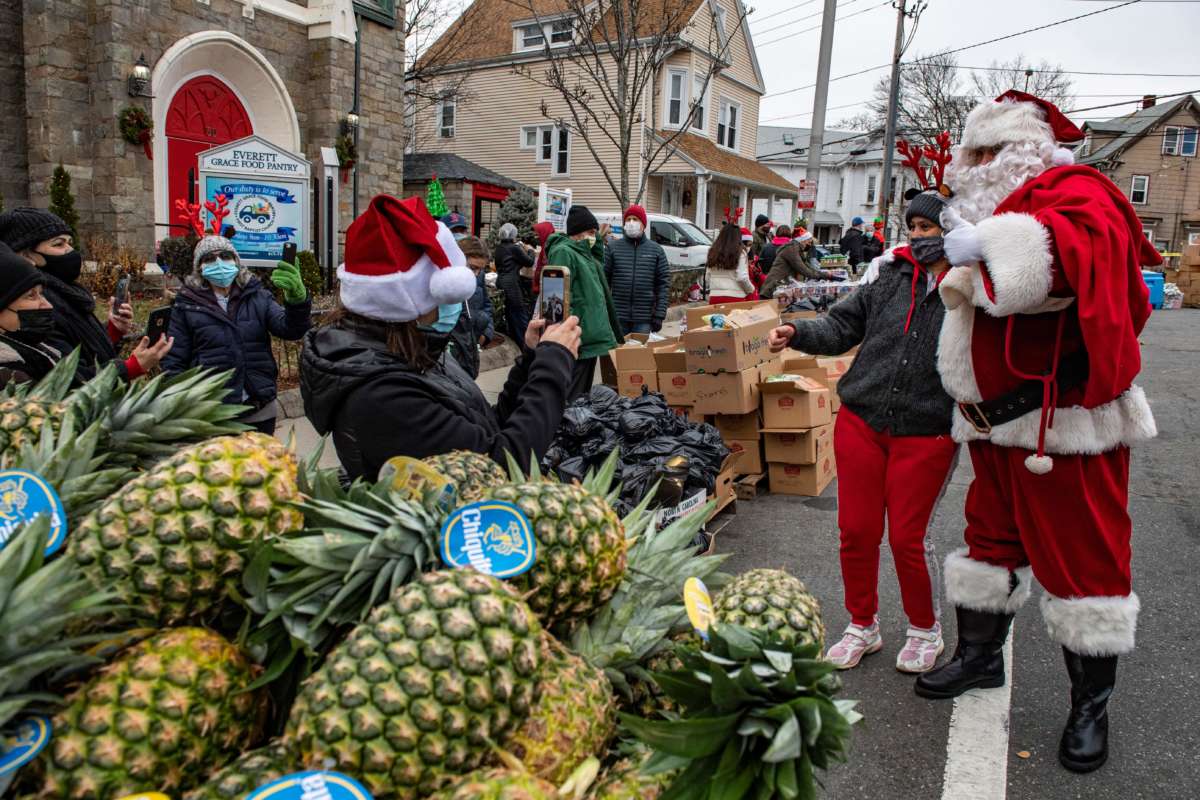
x: 401, y: 263
x: 1016, y: 117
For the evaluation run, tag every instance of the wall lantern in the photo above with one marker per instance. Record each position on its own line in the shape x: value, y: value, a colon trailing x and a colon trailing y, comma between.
x: 139, y: 79
x: 350, y: 123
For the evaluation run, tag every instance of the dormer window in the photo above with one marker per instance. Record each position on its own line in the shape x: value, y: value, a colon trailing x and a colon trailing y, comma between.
x: 534, y: 35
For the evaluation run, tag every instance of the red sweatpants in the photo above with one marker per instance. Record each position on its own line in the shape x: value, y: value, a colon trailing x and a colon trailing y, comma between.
x: 902, y: 477
x: 1071, y: 524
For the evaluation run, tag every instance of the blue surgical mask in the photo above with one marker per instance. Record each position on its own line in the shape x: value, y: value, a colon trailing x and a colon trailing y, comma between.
x: 458, y: 237
x: 220, y: 272
x: 447, y: 318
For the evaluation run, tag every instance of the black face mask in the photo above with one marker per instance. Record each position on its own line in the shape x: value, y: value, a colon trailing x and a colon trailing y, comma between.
x: 36, y: 325
x: 65, y: 267
x: 435, y: 341
x: 928, y: 249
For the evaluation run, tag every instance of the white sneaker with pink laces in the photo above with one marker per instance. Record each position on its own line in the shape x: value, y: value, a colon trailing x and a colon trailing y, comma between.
x: 922, y: 649
x: 856, y: 642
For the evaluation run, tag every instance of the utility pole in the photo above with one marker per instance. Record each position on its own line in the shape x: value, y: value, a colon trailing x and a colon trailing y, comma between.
x: 889, y: 136
x: 816, y: 136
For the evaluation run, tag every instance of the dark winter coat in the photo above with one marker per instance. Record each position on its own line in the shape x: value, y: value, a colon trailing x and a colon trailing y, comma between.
x: 852, y: 245
x: 24, y: 363
x: 238, y: 339
x: 893, y: 382
x: 474, y: 323
x: 872, y: 248
x: 639, y: 278
x: 510, y: 259
x: 75, y: 325
x: 791, y: 261
x: 377, y: 406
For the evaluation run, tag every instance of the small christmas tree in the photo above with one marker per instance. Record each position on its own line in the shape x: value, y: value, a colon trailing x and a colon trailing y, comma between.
x: 435, y: 199
x: 519, y: 208
x: 62, y: 202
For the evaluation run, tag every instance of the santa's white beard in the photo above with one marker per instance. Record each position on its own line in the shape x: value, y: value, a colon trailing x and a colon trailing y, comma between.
x: 979, y: 189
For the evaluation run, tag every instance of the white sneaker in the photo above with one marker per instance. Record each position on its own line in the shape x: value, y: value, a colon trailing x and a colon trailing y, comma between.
x: 922, y: 649
x: 856, y: 642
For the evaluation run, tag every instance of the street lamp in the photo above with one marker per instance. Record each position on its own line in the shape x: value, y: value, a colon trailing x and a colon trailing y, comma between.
x: 350, y: 124
x: 139, y: 79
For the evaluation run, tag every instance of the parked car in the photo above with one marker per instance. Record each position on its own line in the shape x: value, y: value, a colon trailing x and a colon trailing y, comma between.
x: 686, y: 245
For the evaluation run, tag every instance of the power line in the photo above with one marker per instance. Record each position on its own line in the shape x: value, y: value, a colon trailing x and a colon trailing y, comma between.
x: 841, y: 4
x: 1083, y: 72
x: 785, y: 11
x: 1127, y: 102
x: 831, y: 80
x: 815, y: 27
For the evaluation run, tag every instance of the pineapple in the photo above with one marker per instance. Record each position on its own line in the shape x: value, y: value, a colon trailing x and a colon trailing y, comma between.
x: 573, y: 719
x: 169, y: 541
x: 418, y: 692
x: 251, y: 770
x: 160, y: 717
x: 625, y: 781
x: 499, y: 784
x: 473, y: 474
x: 22, y: 420
x: 647, y: 700
x: 772, y: 600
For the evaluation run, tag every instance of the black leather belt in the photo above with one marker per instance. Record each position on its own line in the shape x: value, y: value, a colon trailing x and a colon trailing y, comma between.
x: 1072, y: 371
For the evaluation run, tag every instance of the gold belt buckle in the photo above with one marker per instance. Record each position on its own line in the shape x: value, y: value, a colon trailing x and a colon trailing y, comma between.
x: 976, y: 417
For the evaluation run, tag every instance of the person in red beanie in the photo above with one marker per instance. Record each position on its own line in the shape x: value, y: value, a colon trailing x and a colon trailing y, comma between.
x: 639, y: 276
x: 377, y: 375
x: 1039, y: 348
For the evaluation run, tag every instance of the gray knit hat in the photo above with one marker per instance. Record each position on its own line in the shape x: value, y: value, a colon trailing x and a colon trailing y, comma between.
x: 927, y: 204
x: 213, y: 244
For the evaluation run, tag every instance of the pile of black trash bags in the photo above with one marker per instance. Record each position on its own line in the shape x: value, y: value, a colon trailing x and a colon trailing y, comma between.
x: 656, y: 446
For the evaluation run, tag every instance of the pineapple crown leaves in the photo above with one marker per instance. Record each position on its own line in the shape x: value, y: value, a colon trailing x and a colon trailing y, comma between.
x: 758, y: 718
x: 57, y: 382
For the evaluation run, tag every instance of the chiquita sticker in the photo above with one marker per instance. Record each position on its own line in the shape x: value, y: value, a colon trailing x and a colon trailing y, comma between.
x: 19, y: 749
x: 491, y: 536
x: 698, y: 603
x: 312, y: 786
x: 23, y: 496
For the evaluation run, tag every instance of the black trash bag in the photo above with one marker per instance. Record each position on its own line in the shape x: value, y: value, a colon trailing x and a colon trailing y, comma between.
x: 637, y: 425
x: 579, y: 422
x: 601, y: 395
x: 655, y: 447
x: 572, y: 469
x: 668, y: 472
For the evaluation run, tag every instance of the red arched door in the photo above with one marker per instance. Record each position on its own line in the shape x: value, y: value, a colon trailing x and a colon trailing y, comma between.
x: 203, y: 113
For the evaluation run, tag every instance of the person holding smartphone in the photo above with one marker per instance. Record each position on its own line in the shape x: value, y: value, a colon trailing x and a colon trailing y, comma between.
x: 224, y: 319
x: 378, y: 375
x: 46, y: 242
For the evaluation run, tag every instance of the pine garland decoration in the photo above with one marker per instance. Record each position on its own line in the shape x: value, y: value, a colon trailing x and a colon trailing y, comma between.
x: 137, y: 128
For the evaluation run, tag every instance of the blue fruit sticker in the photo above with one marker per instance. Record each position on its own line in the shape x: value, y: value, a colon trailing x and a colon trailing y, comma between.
x: 23, y: 496
x: 315, y: 785
x: 491, y: 536
x: 19, y: 748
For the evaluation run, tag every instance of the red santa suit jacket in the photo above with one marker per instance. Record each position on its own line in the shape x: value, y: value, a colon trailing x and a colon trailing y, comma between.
x: 1062, y: 269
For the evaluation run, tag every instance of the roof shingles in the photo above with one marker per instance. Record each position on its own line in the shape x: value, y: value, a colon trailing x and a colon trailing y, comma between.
x: 722, y: 162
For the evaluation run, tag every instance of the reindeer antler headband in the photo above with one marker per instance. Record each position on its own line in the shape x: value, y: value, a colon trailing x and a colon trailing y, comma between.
x: 190, y: 213
x: 939, y: 155
x: 735, y: 216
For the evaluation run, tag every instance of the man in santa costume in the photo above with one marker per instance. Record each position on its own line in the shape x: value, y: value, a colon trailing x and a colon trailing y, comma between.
x: 1039, y: 348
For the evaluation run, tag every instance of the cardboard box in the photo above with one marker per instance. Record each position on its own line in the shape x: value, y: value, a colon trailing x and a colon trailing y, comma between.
x: 732, y: 349
x: 750, y: 456
x: 725, y: 493
x: 638, y: 354
x: 806, y: 480
x: 797, y: 447
x: 695, y: 316
x: 825, y: 370
x: 739, y: 426
x: 800, y: 403
x: 1191, y: 255
x: 630, y: 382
x: 677, y: 387
x: 729, y: 392
x: 671, y: 357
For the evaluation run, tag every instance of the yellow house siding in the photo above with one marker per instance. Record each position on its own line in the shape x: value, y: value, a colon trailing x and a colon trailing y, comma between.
x: 748, y: 123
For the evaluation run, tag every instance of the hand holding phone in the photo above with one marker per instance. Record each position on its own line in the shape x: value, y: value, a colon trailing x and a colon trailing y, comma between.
x: 121, y: 293
x: 289, y: 253
x: 157, y: 325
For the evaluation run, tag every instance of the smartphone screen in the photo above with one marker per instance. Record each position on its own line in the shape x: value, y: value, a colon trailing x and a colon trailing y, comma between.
x: 553, y: 298
x: 121, y: 294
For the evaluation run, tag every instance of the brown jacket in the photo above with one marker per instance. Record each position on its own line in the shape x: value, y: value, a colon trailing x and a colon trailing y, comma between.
x: 790, y: 261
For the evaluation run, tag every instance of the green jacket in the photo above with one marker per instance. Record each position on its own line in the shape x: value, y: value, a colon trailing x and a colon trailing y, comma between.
x: 591, y: 300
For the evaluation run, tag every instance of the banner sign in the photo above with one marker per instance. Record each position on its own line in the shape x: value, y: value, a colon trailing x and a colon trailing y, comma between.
x: 553, y: 205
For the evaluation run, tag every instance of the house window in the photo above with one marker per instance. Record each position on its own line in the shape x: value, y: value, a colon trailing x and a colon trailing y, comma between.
x: 1179, y: 141
x: 841, y: 191
x: 1139, y: 190
x: 727, y: 126
x: 382, y: 11
x: 446, y: 115
x: 700, y: 93
x: 562, y: 152
x: 532, y: 36
x: 529, y: 137
x: 676, y: 96
x: 721, y: 17
x: 562, y: 31
x: 871, y: 181
x: 789, y: 140
x: 545, y: 144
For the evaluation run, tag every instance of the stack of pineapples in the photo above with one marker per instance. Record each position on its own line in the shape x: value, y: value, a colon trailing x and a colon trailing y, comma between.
x: 222, y: 615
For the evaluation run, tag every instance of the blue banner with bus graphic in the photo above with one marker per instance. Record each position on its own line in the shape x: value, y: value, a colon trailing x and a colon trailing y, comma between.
x: 264, y: 215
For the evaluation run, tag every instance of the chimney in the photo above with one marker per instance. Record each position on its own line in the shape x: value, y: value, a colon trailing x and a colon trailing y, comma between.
x: 1148, y: 100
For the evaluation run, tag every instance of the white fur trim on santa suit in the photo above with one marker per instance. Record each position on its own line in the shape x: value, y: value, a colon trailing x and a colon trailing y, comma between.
x: 985, y: 587
x: 1126, y: 421
x: 1092, y: 626
x: 954, y: 362
x: 996, y: 124
x: 1016, y: 251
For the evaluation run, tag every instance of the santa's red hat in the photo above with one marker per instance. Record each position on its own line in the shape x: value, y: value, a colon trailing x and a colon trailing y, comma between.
x: 401, y: 263
x: 747, y: 236
x: 1017, y: 117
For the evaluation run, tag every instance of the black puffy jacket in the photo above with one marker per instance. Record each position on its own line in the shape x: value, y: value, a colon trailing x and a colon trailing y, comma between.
x: 639, y: 278
x: 378, y: 406
x: 75, y: 325
x: 238, y: 339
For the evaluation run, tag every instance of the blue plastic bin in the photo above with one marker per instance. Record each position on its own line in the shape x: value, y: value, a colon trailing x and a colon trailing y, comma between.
x: 1154, y: 282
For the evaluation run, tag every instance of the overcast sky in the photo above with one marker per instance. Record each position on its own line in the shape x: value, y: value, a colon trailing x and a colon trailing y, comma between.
x: 1148, y: 37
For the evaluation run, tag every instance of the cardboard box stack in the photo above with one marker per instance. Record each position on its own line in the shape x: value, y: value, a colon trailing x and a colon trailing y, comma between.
x: 742, y: 434
x: 798, y: 434
x: 727, y: 364
x: 634, y: 365
x: 1188, y: 279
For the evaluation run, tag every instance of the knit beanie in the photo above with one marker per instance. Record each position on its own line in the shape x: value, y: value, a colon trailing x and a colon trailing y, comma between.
x: 17, y: 276
x: 25, y: 228
x: 761, y: 219
x: 213, y: 244
x: 579, y: 219
x: 636, y: 211
x: 927, y: 204
x: 401, y: 263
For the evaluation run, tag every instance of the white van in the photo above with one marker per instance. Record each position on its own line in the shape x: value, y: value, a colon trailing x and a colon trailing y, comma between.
x: 686, y: 245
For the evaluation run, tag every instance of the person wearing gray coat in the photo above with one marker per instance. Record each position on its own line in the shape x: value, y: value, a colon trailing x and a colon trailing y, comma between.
x: 639, y: 276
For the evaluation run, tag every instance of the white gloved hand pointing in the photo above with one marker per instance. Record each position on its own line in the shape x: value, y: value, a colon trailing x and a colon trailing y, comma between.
x: 962, y: 242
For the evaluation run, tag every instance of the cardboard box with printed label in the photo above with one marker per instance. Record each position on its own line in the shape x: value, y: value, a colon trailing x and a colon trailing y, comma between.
x: 695, y: 316
x: 730, y: 392
x: 631, y: 382
x: 1191, y: 255
x: 750, y: 456
x: 799, y: 403
x: 637, y: 353
x: 736, y: 348
x: 725, y: 492
x: 797, y: 446
x: 739, y: 426
x: 806, y: 480
x: 825, y: 370
x: 673, y: 379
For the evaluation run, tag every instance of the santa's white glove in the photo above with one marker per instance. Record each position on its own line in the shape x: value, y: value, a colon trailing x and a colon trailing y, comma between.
x: 961, y: 240
x: 873, y: 268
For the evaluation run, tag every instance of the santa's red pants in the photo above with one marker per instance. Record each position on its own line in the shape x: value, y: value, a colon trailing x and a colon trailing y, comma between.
x: 902, y: 477
x: 1071, y: 525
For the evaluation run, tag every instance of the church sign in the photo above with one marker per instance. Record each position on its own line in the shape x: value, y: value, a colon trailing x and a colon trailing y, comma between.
x: 267, y: 190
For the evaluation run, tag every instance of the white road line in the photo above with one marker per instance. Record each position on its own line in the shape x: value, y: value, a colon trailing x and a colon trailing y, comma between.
x: 977, y: 747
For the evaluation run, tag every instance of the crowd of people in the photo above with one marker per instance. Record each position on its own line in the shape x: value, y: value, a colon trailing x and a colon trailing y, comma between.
x: 1008, y: 322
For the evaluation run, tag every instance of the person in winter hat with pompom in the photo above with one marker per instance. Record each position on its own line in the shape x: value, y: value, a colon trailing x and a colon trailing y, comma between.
x: 377, y: 375
x: 1039, y: 347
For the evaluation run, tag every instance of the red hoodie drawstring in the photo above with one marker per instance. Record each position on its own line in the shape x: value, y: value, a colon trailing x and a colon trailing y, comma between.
x: 912, y: 303
x: 1039, y: 463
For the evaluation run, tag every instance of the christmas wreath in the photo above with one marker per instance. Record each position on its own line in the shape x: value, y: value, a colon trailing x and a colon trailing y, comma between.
x: 347, y: 154
x: 137, y: 128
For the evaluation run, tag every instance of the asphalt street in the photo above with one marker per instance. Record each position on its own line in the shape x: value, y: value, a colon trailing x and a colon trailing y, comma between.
x: 899, y: 750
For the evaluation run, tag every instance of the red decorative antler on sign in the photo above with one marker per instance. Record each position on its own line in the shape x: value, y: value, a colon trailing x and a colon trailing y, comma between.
x: 190, y: 213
